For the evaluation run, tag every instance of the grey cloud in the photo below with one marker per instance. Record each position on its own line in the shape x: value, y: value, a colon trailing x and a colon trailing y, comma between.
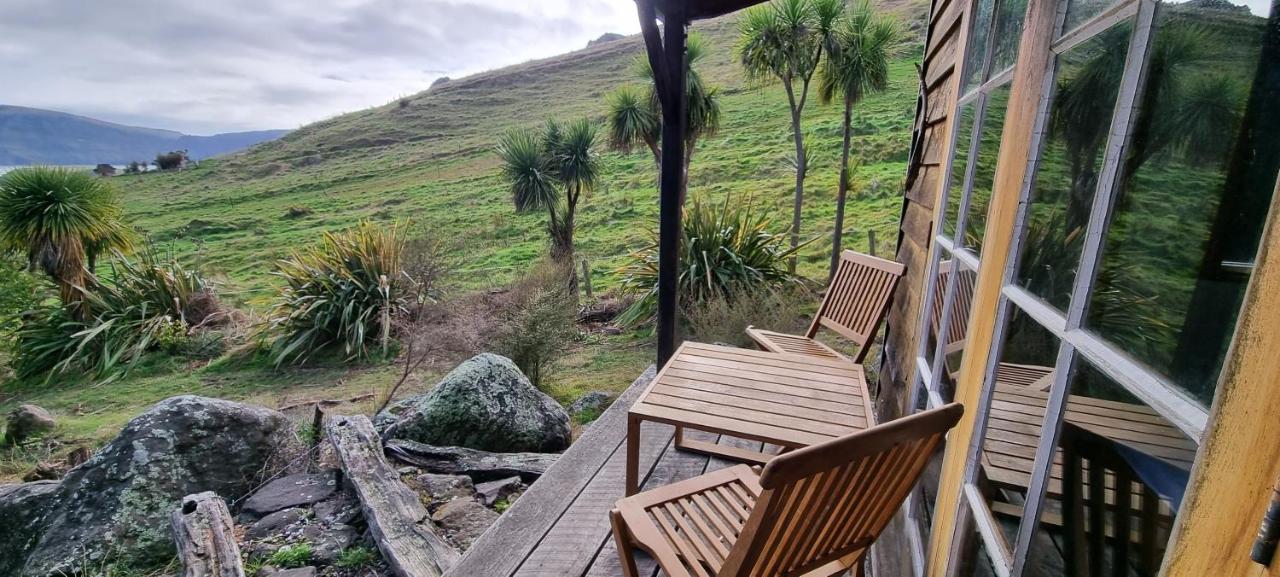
x: 250, y: 64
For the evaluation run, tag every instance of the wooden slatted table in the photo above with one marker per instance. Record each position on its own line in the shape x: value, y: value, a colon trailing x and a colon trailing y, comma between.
x: 783, y: 399
x: 1014, y: 428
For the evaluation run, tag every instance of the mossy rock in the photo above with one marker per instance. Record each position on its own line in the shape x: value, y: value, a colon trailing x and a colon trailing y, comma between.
x: 485, y: 403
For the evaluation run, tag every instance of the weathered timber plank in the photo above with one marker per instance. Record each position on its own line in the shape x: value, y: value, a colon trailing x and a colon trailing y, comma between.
x: 479, y: 465
x: 205, y: 537
x: 399, y: 523
x: 506, y: 544
x: 573, y: 541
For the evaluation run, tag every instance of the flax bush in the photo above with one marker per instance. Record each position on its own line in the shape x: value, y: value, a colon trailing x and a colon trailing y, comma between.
x: 138, y: 306
x: 724, y: 250
x: 339, y: 295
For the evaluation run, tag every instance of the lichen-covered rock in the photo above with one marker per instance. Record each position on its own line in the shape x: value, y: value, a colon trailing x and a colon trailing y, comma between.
x: 464, y: 521
x: 594, y: 402
x: 21, y: 508
x: 118, y: 502
x: 26, y: 422
x: 440, y: 488
x: 485, y: 403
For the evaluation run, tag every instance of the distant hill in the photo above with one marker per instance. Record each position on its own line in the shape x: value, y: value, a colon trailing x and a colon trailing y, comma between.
x: 35, y: 136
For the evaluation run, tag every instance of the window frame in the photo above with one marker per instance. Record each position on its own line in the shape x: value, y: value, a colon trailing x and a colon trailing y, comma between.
x: 1074, y: 341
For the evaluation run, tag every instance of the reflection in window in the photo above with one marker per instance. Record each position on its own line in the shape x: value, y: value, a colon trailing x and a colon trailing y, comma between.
x: 953, y: 340
x: 984, y: 171
x: 1109, y: 442
x: 1022, y: 379
x: 976, y: 54
x: 959, y: 166
x: 973, y: 560
x: 1087, y: 81
x: 1171, y: 300
x: 1078, y: 11
x: 1008, y: 31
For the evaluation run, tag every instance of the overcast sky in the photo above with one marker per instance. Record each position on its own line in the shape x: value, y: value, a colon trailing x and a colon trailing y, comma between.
x: 210, y: 66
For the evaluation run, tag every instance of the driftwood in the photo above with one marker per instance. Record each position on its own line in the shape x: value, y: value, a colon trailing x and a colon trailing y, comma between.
x: 479, y: 465
x: 203, y: 532
x: 398, y: 521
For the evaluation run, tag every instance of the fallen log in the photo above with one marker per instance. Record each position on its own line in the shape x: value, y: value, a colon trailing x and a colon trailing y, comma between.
x: 398, y: 521
x: 479, y: 465
x: 203, y: 533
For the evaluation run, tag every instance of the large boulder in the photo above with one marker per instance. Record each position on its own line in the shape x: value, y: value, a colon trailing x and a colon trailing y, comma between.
x: 485, y: 403
x: 116, y: 505
x: 21, y: 508
x: 26, y: 422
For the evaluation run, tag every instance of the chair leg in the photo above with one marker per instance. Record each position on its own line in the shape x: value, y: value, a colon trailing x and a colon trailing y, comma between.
x: 626, y: 553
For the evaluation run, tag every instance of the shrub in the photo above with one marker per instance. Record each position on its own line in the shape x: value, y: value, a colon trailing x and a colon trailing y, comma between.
x: 356, y: 557
x: 171, y: 160
x: 723, y: 250
x: 20, y: 291
x: 140, y: 306
x: 720, y: 319
x: 537, y: 321
x: 340, y: 294
x: 291, y: 556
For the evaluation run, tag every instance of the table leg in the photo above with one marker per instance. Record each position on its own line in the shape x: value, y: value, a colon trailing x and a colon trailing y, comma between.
x: 633, y: 455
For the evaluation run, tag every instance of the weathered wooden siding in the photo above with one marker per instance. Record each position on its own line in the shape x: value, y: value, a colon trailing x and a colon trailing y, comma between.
x: 940, y: 66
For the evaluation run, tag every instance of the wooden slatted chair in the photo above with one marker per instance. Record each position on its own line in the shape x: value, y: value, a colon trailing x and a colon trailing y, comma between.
x: 1037, y: 377
x: 855, y: 303
x: 812, y: 512
x: 1104, y: 500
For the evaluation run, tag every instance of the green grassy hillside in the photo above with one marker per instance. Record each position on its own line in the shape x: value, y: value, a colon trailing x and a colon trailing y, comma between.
x: 429, y: 158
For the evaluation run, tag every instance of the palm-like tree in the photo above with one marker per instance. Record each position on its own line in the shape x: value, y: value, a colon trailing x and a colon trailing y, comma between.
x: 857, y: 64
x: 1174, y: 111
x: 63, y: 220
x: 551, y: 171
x: 635, y: 115
x: 784, y: 40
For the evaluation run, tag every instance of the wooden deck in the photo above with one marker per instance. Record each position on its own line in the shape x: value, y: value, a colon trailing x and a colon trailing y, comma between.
x: 560, y: 527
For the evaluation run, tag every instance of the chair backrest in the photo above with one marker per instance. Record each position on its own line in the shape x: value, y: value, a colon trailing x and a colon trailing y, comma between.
x: 857, y: 298
x: 959, y: 325
x: 828, y: 502
x: 1114, y: 524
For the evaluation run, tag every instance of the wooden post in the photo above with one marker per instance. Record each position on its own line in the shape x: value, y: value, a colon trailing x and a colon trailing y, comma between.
x: 586, y: 277
x: 397, y: 519
x: 871, y: 242
x: 205, y: 537
x: 667, y: 58
x: 317, y: 433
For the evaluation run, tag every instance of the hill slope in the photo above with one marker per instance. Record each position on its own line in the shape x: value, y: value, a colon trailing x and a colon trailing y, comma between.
x: 429, y: 158
x: 35, y: 136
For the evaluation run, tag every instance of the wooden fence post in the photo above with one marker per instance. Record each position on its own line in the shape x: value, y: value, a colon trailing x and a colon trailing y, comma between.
x: 871, y: 242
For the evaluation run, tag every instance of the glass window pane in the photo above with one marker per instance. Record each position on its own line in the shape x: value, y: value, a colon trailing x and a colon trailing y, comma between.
x: 959, y: 165
x: 973, y: 560
x: 1087, y: 81
x: 1008, y: 26
x: 1112, y: 450
x: 961, y: 278
x: 984, y: 172
x: 1171, y: 300
x: 1079, y: 11
x: 978, y: 43
x: 1013, y: 425
x: 933, y: 308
